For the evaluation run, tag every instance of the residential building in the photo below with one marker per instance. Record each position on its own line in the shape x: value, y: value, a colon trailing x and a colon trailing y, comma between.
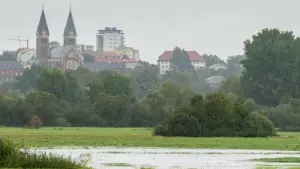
x: 84, y: 48
x: 89, y: 48
x: 217, y: 67
x: 80, y: 47
x: 109, y: 39
x: 114, y: 57
x: 26, y: 57
x: 215, y: 81
x: 64, y: 57
x: 129, y: 51
x: 164, y: 61
x: 9, y: 70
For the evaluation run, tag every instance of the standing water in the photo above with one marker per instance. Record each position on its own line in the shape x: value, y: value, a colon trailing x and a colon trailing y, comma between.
x: 135, y: 158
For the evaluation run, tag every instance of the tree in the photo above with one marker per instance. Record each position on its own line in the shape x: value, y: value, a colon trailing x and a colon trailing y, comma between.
x: 180, y: 124
x: 180, y: 60
x: 42, y: 104
x: 8, y: 56
x: 28, y: 79
x: 115, y: 111
x: 112, y: 83
x: 35, y: 122
x: 62, y: 84
x: 231, y: 85
x: 212, y: 59
x: 157, y: 106
x: 234, y: 67
x: 269, y: 56
x: 53, y: 81
x: 219, y: 113
x: 144, y: 77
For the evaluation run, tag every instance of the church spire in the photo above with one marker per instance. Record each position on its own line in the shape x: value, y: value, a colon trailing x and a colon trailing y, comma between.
x: 43, y: 27
x: 70, y: 29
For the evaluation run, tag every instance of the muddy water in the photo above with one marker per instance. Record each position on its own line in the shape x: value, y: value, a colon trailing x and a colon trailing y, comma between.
x: 134, y: 158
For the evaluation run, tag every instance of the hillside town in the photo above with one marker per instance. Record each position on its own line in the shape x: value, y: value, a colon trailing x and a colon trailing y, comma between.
x: 110, y: 52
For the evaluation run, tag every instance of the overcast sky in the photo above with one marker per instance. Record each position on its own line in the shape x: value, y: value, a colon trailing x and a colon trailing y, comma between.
x: 152, y: 26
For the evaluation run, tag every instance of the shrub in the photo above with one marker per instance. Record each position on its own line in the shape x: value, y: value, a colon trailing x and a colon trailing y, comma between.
x: 258, y: 125
x: 179, y: 125
x: 62, y: 122
x: 36, y: 122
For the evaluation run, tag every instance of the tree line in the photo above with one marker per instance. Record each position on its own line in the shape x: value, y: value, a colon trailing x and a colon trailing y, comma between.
x: 260, y: 92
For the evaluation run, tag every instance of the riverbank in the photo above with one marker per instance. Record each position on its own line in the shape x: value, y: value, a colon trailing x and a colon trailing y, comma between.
x: 139, y: 137
x: 12, y: 157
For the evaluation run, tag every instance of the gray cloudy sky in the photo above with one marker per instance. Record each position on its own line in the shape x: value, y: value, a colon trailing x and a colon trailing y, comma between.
x: 152, y: 26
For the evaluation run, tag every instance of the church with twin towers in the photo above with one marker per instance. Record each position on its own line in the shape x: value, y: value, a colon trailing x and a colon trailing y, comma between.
x: 54, y: 55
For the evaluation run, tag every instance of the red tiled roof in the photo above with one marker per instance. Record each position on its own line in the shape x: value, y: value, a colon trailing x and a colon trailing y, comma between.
x: 109, y: 54
x: 193, y: 56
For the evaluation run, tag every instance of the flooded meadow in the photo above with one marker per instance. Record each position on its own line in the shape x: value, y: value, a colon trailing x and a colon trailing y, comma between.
x: 162, y: 158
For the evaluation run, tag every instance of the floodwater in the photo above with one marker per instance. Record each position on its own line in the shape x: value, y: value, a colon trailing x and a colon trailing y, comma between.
x: 161, y: 158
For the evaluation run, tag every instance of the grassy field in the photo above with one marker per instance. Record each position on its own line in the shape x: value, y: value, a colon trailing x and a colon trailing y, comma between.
x: 139, y: 137
x: 280, y: 160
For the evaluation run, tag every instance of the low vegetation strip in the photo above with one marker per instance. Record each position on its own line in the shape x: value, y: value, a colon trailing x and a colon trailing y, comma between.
x: 140, y: 137
x: 12, y: 157
x: 280, y: 160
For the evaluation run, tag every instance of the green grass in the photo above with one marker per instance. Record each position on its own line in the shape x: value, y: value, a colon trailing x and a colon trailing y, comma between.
x: 280, y: 160
x: 140, y: 137
x: 274, y: 167
x: 12, y: 157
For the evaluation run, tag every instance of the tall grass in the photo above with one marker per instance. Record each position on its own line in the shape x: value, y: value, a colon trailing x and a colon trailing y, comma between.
x: 12, y: 157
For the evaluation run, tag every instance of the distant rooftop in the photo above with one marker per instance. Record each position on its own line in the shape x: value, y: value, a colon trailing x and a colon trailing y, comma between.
x: 110, y: 30
x: 193, y: 56
x: 11, y: 65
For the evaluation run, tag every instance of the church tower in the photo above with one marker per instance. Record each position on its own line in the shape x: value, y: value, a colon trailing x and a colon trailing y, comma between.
x: 70, y: 33
x: 42, y: 39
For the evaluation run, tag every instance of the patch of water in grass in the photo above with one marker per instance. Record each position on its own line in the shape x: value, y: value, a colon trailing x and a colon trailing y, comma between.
x: 160, y: 158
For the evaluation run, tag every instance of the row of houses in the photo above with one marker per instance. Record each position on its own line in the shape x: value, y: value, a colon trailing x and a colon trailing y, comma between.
x: 25, y: 58
x: 109, y: 60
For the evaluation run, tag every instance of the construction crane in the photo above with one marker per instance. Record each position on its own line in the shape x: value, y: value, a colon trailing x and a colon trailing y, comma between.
x: 22, y: 40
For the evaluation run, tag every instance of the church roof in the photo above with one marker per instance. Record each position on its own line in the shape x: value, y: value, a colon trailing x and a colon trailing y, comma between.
x: 43, y: 26
x: 70, y: 26
x: 61, y: 51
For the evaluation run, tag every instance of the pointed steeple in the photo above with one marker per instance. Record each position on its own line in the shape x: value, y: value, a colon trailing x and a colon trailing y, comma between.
x: 70, y: 29
x: 43, y: 27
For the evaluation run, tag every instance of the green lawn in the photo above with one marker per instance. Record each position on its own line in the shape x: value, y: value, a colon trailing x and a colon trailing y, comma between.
x: 140, y: 137
x: 280, y: 160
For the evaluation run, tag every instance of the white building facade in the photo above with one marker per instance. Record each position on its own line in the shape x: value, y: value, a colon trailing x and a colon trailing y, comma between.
x: 164, y: 61
x: 109, y: 39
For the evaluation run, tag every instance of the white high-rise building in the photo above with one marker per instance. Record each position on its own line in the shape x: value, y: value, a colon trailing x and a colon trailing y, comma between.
x: 109, y: 39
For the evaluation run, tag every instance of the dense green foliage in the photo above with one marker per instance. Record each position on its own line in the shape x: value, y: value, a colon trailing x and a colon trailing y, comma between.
x: 216, y: 115
x: 271, y: 67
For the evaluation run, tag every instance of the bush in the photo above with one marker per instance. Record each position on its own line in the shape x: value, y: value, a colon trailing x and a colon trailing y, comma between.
x: 181, y: 124
x: 62, y: 122
x: 35, y: 122
x: 258, y: 125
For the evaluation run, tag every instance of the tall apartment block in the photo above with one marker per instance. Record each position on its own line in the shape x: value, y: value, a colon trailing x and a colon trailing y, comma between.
x: 109, y: 39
